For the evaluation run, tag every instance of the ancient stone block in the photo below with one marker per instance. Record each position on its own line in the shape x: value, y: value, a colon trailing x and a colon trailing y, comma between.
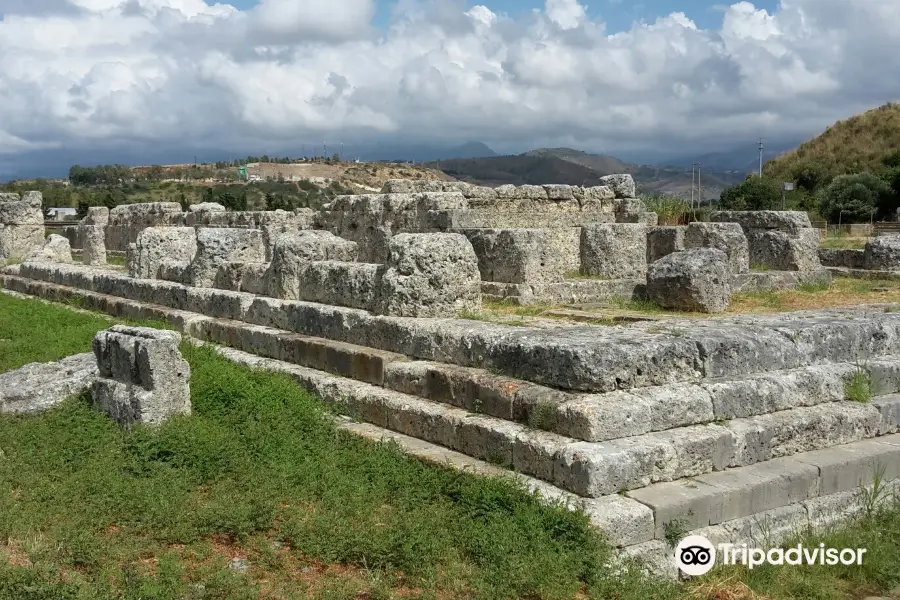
x: 206, y: 207
x: 92, y: 234
x: 339, y: 283
x: 217, y: 246
x: 853, y: 258
x: 522, y: 255
x: 883, y: 253
x: 292, y: 252
x: 614, y: 250
x: 727, y: 237
x: 39, y: 386
x: 664, y: 240
x: 158, y: 245
x: 143, y: 377
x: 21, y: 225
x: 56, y: 249
x: 429, y: 275
x: 621, y: 184
x: 782, y: 220
x: 784, y: 251
x: 691, y: 280
x: 127, y: 221
x: 629, y: 210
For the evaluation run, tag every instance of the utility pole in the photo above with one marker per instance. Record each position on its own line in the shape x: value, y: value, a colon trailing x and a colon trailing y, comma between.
x: 341, y: 155
x: 693, y: 170
x: 699, y: 188
x: 760, y: 156
x: 324, y: 150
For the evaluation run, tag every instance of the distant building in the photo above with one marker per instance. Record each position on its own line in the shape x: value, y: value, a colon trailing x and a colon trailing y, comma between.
x: 62, y: 213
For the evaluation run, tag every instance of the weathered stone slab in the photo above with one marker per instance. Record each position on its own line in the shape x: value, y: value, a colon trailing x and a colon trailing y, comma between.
x: 39, y: 386
x: 662, y: 241
x: 158, y: 245
x: 782, y: 220
x: 55, y: 250
x: 882, y: 253
x: 785, y: 251
x: 21, y: 225
x: 293, y: 252
x: 218, y: 246
x: 523, y: 255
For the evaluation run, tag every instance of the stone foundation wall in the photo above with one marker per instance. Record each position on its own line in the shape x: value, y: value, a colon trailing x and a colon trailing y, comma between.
x: 780, y: 240
x: 21, y: 225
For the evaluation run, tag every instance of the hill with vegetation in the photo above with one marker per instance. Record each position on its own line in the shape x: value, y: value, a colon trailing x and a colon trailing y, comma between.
x: 575, y: 167
x: 277, y: 183
x: 850, y: 173
x: 859, y: 144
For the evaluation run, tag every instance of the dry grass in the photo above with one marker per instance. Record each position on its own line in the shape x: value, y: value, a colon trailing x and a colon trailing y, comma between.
x: 843, y: 292
x: 726, y: 589
x: 844, y: 242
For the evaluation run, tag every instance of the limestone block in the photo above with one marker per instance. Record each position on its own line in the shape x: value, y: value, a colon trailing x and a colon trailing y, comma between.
x: 527, y: 192
x: 692, y: 280
x: 56, y: 249
x: 622, y: 185
x: 93, y: 243
x: 339, y: 283
x: 782, y: 220
x: 522, y: 255
x: 662, y: 241
x: 883, y: 253
x: 217, y: 246
x: 143, y: 377
x: 614, y: 250
x: 429, y: 275
x: 21, y: 225
x: 629, y: 210
x: 559, y: 192
x: 727, y: 237
x: 39, y: 386
x: 784, y: 251
x: 156, y: 245
x: 96, y: 215
x: 853, y: 258
x: 206, y: 207
x: 292, y: 252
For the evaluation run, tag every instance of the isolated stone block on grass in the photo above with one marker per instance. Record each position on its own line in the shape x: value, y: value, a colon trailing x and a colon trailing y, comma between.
x: 143, y: 377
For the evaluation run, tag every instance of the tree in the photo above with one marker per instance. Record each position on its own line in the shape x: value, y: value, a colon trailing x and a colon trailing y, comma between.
x: 755, y: 193
x: 182, y: 199
x: 109, y: 200
x: 82, y: 210
x: 810, y: 176
x: 854, y: 198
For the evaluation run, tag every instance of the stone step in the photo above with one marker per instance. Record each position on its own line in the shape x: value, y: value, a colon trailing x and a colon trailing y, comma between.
x: 596, y: 418
x: 715, y: 498
x: 583, y: 358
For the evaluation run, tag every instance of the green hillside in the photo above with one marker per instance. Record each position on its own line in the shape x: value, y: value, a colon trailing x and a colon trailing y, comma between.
x: 863, y: 143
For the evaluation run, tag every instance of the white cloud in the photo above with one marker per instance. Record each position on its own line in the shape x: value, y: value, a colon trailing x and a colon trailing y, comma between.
x: 96, y: 73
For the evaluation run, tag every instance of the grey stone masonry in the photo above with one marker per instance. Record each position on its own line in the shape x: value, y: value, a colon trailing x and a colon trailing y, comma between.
x: 664, y: 240
x: 692, y: 280
x: 429, y: 275
x: 21, y: 225
x: 217, y: 246
x: 882, y: 253
x: 156, y: 246
x: 727, y: 237
x: 524, y: 255
x: 780, y: 240
x: 92, y: 233
x: 55, y: 249
x: 143, y: 377
x: 614, y: 250
x: 292, y: 252
x: 39, y: 386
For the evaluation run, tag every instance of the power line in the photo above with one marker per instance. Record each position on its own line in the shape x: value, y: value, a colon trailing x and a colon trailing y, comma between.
x: 760, y: 156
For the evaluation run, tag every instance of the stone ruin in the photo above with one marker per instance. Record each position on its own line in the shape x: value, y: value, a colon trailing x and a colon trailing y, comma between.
x: 734, y: 427
x: 21, y: 225
x: 135, y: 374
x: 879, y: 259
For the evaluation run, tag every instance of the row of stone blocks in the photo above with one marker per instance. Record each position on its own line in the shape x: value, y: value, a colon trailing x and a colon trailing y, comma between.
x: 879, y: 254
x: 585, y: 358
x: 427, y: 275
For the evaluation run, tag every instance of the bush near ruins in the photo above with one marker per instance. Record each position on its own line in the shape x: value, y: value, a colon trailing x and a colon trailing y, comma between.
x: 857, y: 198
x: 755, y: 193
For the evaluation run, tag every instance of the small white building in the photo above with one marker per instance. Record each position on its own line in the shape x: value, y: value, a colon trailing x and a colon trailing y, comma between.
x: 62, y: 213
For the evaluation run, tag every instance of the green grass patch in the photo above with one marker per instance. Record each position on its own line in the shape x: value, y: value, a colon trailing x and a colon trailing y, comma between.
x: 88, y: 510
x: 841, y: 242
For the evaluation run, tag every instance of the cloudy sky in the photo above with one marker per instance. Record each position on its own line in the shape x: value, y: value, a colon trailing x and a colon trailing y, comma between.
x: 134, y: 78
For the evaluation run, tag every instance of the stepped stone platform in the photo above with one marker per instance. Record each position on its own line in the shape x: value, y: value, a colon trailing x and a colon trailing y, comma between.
x: 729, y: 425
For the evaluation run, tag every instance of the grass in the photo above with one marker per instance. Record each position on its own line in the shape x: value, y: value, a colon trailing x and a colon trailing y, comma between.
x: 859, y: 388
x: 260, y: 472
x: 843, y: 291
x: 844, y: 242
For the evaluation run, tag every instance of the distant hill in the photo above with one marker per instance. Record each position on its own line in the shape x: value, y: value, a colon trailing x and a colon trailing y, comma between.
x: 860, y: 143
x: 470, y: 150
x: 575, y: 167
